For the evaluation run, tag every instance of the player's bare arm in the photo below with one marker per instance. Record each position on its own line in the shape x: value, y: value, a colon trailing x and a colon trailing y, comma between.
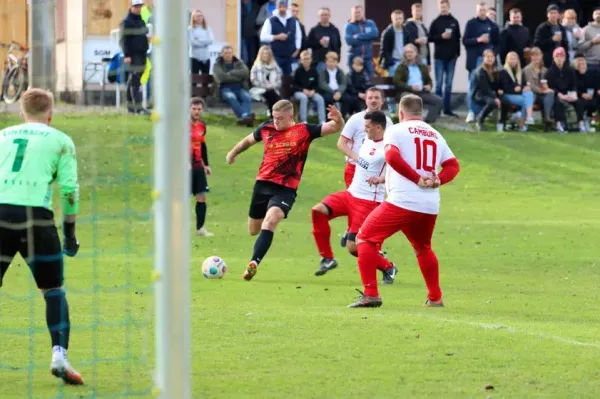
x: 68, y: 187
x: 336, y: 123
x: 344, y: 144
x: 240, y: 147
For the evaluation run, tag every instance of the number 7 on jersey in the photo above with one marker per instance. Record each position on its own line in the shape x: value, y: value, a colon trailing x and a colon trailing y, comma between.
x: 426, y: 154
x: 20, y: 155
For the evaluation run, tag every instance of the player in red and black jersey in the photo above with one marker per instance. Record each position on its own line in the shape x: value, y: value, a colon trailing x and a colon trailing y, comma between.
x: 286, y: 145
x: 199, y: 163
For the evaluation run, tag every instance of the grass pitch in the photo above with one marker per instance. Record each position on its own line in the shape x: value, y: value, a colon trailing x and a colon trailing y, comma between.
x: 517, y: 241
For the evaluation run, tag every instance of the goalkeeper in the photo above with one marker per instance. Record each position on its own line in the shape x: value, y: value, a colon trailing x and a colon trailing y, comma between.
x: 33, y: 155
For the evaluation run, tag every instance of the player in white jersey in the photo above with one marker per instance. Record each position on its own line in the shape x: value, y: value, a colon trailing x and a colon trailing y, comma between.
x: 353, y: 135
x: 414, y: 151
x: 364, y: 194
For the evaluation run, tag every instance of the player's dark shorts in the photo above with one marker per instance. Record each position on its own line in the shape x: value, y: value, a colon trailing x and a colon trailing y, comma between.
x: 199, y: 182
x: 31, y: 232
x: 267, y: 195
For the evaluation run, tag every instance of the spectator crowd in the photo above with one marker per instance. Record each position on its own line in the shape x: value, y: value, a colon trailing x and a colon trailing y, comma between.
x: 555, y: 69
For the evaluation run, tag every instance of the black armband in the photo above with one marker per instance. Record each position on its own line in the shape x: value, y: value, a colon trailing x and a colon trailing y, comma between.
x: 69, y: 229
x: 204, y: 154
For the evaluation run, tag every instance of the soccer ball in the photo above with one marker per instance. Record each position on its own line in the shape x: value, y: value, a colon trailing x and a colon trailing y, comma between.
x: 214, y: 267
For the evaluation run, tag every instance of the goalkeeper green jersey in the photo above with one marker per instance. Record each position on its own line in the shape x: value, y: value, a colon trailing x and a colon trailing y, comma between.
x: 32, y: 157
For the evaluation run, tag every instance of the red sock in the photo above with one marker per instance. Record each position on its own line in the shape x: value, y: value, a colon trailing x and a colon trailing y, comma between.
x: 429, y: 268
x: 367, y: 265
x: 322, y: 233
x: 383, y: 263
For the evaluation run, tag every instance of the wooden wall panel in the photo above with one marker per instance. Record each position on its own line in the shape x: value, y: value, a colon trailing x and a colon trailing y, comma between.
x: 105, y: 15
x: 232, y: 31
x: 13, y: 24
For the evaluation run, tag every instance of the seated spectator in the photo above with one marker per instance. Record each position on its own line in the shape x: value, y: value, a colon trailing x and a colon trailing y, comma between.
x: 231, y: 82
x: 485, y: 88
x: 574, y: 32
x: 544, y: 96
x: 333, y: 83
x: 514, y: 89
x: 358, y: 83
x: 588, y: 89
x: 306, y: 84
x: 561, y: 78
x: 265, y: 77
x: 412, y: 76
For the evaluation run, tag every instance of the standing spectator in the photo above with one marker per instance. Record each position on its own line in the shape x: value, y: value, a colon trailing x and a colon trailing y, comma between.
x: 323, y: 38
x: 515, y: 37
x: 283, y: 32
x: 265, y: 12
x: 444, y: 32
x: 485, y: 88
x: 588, y: 89
x: 480, y: 34
x: 200, y: 37
x: 514, y: 89
x: 412, y: 76
x: 590, y: 45
x: 306, y: 84
x: 358, y: 84
x: 360, y: 33
x: 265, y: 77
x: 134, y: 44
x: 231, y: 81
x: 249, y: 31
x: 564, y: 5
x: 492, y: 15
x: 417, y: 34
x: 550, y: 35
x: 535, y: 74
x: 295, y: 9
x: 574, y: 32
x: 333, y: 83
x: 562, y: 79
x: 393, y: 40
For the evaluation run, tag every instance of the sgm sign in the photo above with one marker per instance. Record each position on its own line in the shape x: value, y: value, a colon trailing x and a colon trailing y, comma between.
x: 95, y: 49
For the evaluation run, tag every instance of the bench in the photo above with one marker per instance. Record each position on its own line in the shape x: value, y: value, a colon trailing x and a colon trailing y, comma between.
x: 202, y: 85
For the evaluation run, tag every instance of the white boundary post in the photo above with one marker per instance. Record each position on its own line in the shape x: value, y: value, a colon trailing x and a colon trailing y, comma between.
x: 172, y: 206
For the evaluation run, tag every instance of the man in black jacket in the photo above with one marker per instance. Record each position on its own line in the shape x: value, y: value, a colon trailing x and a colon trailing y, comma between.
x: 134, y: 44
x: 515, y: 37
x: 323, y: 38
x: 393, y: 40
x: 563, y: 80
x: 249, y: 31
x: 417, y: 32
x: 550, y: 35
x: 444, y: 32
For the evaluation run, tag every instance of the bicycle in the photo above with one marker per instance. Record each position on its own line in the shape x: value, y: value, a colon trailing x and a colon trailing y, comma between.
x: 16, y: 75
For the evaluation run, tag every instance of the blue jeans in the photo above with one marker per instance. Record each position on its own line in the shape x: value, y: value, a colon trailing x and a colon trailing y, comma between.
x: 285, y: 64
x: 524, y: 100
x: 471, y: 83
x: 317, y: 99
x: 445, y: 68
x: 239, y: 100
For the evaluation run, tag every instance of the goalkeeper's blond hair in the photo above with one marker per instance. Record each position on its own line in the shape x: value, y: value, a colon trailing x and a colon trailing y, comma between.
x: 36, y: 104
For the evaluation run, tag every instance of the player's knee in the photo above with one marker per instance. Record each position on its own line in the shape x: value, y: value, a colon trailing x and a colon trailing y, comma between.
x: 274, y: 216
x: 200, y: 197
x: 254, y: 227
x: 321, y: 208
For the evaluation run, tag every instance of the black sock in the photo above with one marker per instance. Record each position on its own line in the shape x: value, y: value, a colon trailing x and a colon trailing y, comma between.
x: 57, y: 317
x: 262, y: 245
x: 200, y: 214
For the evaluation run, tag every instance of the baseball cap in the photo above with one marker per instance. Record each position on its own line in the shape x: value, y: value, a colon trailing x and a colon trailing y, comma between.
x: 552, y: 7
x: 137, y: 3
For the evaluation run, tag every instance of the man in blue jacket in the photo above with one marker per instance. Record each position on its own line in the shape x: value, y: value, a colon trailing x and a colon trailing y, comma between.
x: 480, y: 34
x: 360, y: 33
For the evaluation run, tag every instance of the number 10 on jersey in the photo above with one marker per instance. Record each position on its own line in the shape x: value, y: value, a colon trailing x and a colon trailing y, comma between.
x: 426, y: 154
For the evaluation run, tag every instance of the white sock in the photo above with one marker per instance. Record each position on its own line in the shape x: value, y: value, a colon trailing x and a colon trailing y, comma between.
x: 59, y: 350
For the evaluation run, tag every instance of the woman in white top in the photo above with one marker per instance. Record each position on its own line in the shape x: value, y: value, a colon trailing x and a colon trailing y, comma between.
x: 265, y: 77
x: 200, y: 38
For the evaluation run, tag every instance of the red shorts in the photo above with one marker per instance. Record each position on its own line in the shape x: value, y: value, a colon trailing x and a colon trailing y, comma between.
x: 389, y: 219
x: 343, y: 203
x: 349, y: 173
